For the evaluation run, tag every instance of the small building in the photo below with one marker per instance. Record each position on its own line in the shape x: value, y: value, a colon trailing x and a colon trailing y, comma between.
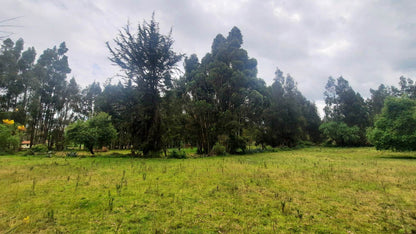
x: 25, y: 145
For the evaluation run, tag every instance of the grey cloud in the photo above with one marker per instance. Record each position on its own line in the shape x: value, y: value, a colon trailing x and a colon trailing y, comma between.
x: 367, y: 41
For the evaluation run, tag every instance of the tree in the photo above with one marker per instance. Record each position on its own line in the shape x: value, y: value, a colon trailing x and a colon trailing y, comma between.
x: 67, y: 112
x: 376, y: 101
x: 407, y: 87
x: 148, y: 61
x: 289, y: 116
x: 16, y: 76
x: 174, y: 121
x: 395, y: 128
x: 220, y: 91
x: 343, y: 104
x: 10, y: 80
x: 89, y: 96
x: 97, y: 131
x: 200, y: 104
x: 117, y: 101
x: 47, y: 99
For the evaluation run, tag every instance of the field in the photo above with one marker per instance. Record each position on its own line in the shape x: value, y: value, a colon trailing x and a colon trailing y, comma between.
x: 318, y: 190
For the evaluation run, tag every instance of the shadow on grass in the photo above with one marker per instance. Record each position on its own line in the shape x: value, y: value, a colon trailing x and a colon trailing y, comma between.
x: 112, y: 155
x: 404, y: 157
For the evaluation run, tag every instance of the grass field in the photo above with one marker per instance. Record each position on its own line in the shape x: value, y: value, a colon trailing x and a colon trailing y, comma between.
x: 320, y: 190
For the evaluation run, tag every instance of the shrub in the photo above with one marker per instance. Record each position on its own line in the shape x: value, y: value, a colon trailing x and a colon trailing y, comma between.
x: 218, y: 149
x: 340, y: 133
x: 29, y: 152
x: 39, y: 148
x: 177, y: 154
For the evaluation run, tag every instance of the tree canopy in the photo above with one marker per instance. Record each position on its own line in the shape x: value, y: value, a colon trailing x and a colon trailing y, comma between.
x: 395, y: 127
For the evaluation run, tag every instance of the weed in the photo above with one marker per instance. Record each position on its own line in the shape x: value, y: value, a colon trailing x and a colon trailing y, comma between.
x: 33, y: 186
x: 283, y: 205
x: 119, y: 222
x: 123, y: 178
x: 299, y: 214
x: 119, y: 186
x: 50, y: 216
x: 110, y: 201
x: 77, y: 183
x: 118, y: 189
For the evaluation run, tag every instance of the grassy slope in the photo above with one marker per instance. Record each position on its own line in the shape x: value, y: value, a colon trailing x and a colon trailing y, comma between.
x: 308, y: 190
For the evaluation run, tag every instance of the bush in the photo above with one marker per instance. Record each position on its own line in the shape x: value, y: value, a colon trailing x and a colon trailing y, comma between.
x: 177, y: 154
x: 340, y: 134
x: 218, y: 149
x: 39, y: 148
x: 29, y: 152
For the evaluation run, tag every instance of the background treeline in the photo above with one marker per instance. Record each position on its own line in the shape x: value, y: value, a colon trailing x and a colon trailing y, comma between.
x: 37, y: 92
x: 217, y: 104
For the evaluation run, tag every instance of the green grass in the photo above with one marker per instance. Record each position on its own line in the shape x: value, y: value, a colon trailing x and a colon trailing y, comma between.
x: 356, y: 190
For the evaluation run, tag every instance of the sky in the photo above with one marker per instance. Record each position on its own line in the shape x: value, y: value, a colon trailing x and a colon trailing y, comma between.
x: 368, y: 42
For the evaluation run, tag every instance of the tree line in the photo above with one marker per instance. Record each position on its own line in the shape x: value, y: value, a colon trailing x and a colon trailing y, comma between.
x: 217, y: 104
x: 37, y: 92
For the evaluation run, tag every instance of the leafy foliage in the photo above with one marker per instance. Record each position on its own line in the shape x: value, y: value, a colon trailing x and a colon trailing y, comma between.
x: 395, y: 128
x: 177, y: 154
x: 9, y: 138
x: 340, y: 134
x: 95, y: 132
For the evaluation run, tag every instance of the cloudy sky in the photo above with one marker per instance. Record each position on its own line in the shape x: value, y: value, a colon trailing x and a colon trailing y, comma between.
x: 368, y: 42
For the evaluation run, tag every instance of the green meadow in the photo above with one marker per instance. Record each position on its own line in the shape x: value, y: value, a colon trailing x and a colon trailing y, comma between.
x: 311, y: 190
